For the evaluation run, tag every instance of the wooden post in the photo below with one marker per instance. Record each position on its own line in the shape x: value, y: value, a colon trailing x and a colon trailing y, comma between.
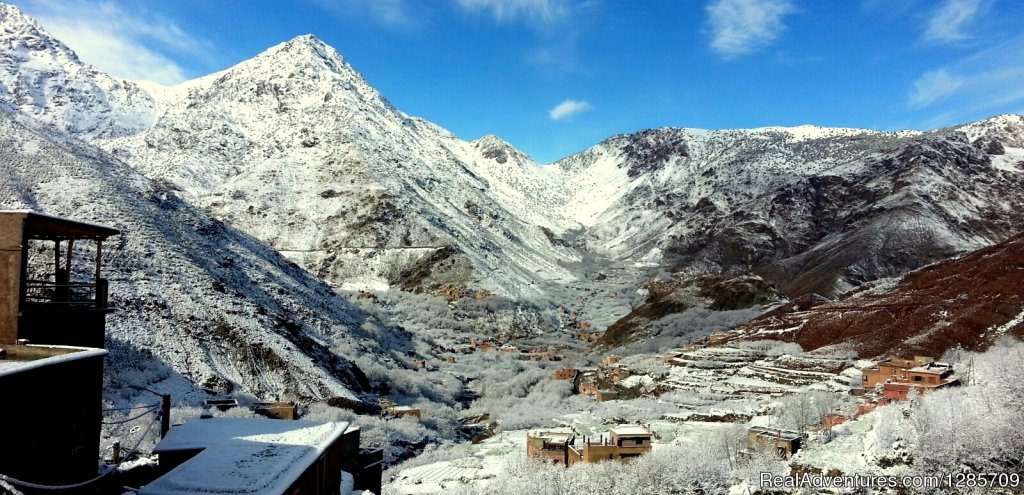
x: 99, y: 258
x: 67, y: 264
x: 56, y: 259
x: 23, y: 286
x: 165, y: 414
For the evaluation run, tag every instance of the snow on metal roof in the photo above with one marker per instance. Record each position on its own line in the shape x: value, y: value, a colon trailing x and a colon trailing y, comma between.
x: 242, y: 455
x: 13, y: 363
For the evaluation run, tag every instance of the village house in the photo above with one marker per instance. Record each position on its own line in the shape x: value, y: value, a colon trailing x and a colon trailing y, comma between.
x: 898, y: 377
x: 389, y: 409
x: 921, y: 379
x: 565, y: 373
x: 885, y: 370
x: 549, y: 445
x: 617, y: 372
x: 236, y: 455
x: 783, y: 443
x: 277, y: 410
x: 622, y: 444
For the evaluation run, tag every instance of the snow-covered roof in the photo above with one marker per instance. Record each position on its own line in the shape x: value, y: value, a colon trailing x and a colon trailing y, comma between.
x: 242, y: 455
x: 12, y: 363
x: 630, y: 430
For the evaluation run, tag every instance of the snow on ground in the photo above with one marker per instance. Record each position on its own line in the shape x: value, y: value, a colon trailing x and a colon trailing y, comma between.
x: 487, y: 459
x: 846, y: 452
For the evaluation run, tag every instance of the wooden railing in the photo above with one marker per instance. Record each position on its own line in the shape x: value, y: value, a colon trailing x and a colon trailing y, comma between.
x: 70, y: 294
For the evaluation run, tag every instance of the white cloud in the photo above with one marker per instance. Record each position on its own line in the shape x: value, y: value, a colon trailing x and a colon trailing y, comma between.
x: 949, y: 22
x: 529, y: 11
x: 123, y: 44
x: 934, y: 86
x: 391, y: 13
x: 982, y: 84
x: 740, y: 27
x: 567, y: 109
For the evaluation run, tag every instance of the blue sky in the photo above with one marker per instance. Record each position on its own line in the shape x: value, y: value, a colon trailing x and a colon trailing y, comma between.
x: 556, y: 76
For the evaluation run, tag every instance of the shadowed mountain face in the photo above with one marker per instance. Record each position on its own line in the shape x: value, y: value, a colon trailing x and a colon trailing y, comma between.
x: 198, y: 303
x: 967, y: 302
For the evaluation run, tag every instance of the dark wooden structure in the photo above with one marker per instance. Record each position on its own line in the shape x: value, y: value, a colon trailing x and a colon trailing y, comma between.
x: 65, y: 305
x: 51, y: 413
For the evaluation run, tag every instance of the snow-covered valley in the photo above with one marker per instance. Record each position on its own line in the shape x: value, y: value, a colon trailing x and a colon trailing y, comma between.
x: 288, y: 234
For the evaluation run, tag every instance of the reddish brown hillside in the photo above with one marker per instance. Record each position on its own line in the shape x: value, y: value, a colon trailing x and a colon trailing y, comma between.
x: 968, y: 301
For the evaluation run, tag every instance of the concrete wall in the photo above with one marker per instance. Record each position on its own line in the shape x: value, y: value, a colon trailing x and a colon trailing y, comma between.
x: 11, y: 227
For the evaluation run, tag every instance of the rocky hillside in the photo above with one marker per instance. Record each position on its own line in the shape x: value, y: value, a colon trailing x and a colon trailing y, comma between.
x: 712, y: 292
x: 197, y: 303
x: 811, y: 210
x: 967, y: 302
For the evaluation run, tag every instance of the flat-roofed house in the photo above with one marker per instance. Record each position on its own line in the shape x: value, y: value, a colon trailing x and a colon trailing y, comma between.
x: 51, y: 414
x: 259, y: 456
x: 549, y: 445
x: 783, y: 443
x: 622, y: 444
x: 891, y: 368
x: 931, y: 376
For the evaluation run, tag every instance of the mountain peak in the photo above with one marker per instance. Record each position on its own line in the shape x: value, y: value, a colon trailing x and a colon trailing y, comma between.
x: 307, y: 49
x: 497, y: 149
x: 21, y: 37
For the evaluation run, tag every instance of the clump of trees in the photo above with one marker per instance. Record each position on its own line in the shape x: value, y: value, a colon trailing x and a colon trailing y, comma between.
x: 970, y: 429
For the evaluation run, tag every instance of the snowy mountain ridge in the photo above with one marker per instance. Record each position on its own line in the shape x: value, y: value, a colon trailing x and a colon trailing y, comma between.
x: 294, y: 148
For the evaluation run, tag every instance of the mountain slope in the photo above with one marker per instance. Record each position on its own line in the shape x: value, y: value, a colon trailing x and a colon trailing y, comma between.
x: 809, y: 209
x: 968, y: 302
x: 294, y: 148
x: 42, y: 77
x: 214, y: 307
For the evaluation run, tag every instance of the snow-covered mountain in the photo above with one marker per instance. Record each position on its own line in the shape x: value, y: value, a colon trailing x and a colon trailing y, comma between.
x: 295, y: 149
x: 809, y: 209
x: 42, y: 77
x: 198, y: 302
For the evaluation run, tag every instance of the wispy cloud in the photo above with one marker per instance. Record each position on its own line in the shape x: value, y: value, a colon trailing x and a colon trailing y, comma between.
x: 568, y: 109
x: 985, y: 83
x: 129, y: 45
x: 934, y: 86
x: 390, y: 13
x: 527, y: 11
x: 741, y: 27
x: 949, y: 23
